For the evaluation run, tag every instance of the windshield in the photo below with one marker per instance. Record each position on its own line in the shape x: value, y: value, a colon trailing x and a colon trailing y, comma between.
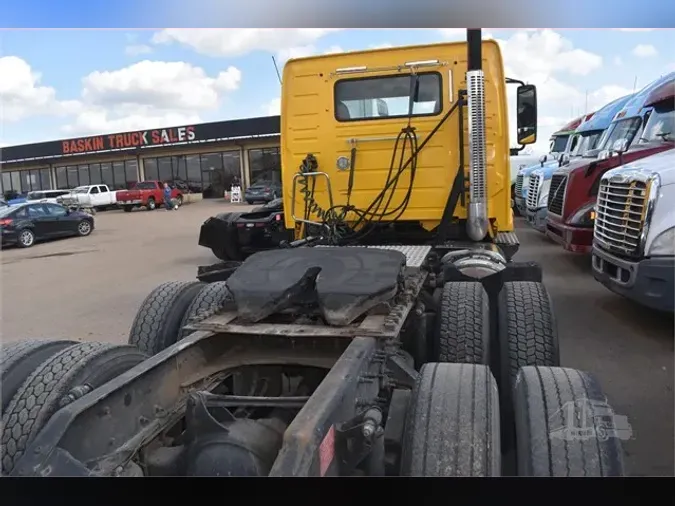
x: 660, y: 126
x: 559, y: 143
x: 589, y: 140
x: 4, y: 211
x: 624, y: 129
x: 35, y: 195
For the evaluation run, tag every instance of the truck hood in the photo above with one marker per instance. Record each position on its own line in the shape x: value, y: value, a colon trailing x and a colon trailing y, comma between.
x: 663, y: 163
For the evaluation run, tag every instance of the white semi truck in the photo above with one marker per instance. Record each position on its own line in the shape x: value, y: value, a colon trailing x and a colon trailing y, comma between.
x: 634, y: 232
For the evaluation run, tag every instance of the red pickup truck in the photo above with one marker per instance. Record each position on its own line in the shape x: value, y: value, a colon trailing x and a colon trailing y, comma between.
x: 148, y: 194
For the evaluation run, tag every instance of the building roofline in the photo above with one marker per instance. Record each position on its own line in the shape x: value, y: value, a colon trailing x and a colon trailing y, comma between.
x: 141, y: 140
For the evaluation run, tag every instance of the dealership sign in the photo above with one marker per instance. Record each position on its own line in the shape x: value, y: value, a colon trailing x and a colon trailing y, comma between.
x: 202, y: 132
x: 128, y: 140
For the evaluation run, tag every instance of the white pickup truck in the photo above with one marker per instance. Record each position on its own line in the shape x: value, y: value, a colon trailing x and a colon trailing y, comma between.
x: 96, y: 196
x: 634, y: 231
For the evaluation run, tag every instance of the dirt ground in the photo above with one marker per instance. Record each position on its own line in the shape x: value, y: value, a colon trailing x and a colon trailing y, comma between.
x: 90, y: 288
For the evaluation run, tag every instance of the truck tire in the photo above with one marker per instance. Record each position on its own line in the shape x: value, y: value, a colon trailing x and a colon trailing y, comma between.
x: 209, y: 300
x: 463, y: 333
x: 452, y: 425
x: 50, y: 387
x: 158, y: 320
x: 527, y: 337
x: 151, y: 205
x: 543, y: 396
x: 128, y: 209
x: 19, y: 359
x: 527, y: 329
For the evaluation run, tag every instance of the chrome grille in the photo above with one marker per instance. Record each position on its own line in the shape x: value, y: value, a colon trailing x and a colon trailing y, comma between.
x: 620, y: 215
x: 533, y: 191
x: 519, y: 185
x: 556, y: 194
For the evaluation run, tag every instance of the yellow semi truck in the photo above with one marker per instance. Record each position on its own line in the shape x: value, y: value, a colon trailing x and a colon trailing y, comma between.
x: 388, y: 333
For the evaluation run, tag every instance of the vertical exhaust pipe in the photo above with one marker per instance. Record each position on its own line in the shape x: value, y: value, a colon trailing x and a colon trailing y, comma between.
x: 477, y: 222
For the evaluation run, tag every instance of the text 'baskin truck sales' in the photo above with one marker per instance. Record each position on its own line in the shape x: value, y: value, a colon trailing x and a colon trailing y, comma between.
x: 129, y: 140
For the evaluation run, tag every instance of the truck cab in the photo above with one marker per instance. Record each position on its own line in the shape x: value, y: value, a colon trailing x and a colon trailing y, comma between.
x: 636, y: 132
x: 634, y: 236
x: 540, y: 178
x: 559, y: 143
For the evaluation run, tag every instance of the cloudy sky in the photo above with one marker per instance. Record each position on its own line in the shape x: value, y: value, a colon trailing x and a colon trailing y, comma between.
x: 65, y: 83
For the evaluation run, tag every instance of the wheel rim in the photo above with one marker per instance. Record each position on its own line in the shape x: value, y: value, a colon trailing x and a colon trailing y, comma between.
x: 26, y: 238
x: 84, y: 227
x: 179, y: 200
x: 151, y: 204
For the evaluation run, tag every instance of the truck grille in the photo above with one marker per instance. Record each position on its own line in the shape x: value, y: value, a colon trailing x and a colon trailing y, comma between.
x: 533, y: 191
x: 519, y: 185
x: 556, y: 194
x: 620, y: 215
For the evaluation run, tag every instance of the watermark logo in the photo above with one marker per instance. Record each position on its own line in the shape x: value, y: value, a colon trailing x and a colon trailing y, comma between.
x: 586, y: 419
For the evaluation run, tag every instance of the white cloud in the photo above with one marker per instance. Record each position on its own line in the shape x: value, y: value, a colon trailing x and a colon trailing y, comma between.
x: 542, y: 58
x: 385, y: 45
x: 334, y: 50
x: 22, y: 95
x: 138, y: 49
x: 240, y: 41
x: 644, y: 51
x: 304, y: 51
x: 605, y: 95
x: 273, y: 107
x: 149, y: 94
x: 453, y: 33
x: 459, y: 34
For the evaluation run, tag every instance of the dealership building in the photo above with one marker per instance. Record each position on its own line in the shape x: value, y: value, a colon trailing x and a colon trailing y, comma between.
x: 204, y: 158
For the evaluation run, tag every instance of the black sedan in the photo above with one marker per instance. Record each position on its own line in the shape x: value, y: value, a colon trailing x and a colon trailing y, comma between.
x: 24, y: 224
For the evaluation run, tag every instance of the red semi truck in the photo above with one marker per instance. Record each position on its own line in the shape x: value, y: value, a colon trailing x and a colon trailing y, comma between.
x: 644, y: 127
x: 148, y: 194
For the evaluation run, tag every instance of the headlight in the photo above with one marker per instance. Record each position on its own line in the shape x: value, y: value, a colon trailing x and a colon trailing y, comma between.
x: 543, y: 193
x: 585, y: 216
x: 664, y: 244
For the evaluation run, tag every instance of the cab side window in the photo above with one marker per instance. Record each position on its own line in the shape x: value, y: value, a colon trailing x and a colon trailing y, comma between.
x: 93, y: 190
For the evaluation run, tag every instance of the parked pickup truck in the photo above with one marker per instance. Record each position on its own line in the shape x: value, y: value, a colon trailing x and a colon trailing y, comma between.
x: 95, y: 196
x: 634, y: 235
x: 148, y: 194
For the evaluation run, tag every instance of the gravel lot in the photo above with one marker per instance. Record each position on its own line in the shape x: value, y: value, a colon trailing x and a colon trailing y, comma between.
x: 89, y: 289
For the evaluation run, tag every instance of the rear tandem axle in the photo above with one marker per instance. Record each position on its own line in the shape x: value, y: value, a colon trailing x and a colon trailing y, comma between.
x: 340, y: 361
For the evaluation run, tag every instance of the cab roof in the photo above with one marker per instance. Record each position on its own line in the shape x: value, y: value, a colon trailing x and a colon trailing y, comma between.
x: 603, y: 118
x: 662, y: 92
x: 634, y: 107
x: 571, y: 126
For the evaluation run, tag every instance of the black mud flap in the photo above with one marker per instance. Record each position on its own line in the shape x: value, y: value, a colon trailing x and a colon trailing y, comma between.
x: 218, y: 234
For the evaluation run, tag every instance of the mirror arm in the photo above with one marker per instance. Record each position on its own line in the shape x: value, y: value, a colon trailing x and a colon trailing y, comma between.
x: 514, y: 81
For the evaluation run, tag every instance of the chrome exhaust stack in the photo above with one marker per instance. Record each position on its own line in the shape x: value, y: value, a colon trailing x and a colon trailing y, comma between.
x: 477, y: 222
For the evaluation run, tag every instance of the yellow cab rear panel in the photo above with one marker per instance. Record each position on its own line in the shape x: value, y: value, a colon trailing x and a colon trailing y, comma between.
x: 313, y: 120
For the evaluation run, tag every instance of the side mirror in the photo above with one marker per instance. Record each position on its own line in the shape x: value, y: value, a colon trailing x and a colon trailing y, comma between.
x: 543, y: 159
x: 564, y: 160
x: 620, y: 146
x: 526, y: 104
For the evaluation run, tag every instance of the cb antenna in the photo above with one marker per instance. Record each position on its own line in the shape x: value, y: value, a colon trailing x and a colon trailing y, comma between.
x: 276, y: 68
